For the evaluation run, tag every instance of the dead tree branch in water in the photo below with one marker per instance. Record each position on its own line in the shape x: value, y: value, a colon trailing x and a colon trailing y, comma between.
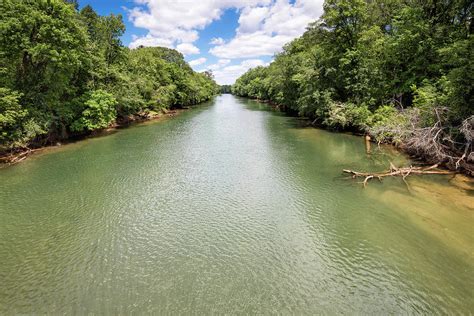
x: 438, y: 142
x: 15, y: 158
x: 394, y: 171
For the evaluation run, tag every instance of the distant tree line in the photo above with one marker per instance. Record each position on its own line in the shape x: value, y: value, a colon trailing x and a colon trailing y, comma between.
x: 226, y: 89
x: 399, y: 70
x: 65, y: 72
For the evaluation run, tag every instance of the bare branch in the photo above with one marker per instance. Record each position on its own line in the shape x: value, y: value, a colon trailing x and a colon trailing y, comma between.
x: 403, y: 172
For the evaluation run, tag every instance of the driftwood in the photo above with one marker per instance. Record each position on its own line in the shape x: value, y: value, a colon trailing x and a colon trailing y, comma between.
x: 15, y: 158
x: 394, y: 171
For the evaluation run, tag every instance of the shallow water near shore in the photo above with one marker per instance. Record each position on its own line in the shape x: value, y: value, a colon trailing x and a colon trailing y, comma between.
x: 231, y: 208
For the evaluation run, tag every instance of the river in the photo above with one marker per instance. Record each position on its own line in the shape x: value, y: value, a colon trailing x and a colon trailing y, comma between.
x: 230, y: 208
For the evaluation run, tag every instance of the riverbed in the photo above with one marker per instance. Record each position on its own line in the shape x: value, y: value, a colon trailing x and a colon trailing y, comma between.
x: 231, y: 207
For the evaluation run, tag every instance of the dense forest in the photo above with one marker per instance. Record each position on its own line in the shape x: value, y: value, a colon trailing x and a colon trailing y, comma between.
x: 401, y: 71
x: 64, y: 72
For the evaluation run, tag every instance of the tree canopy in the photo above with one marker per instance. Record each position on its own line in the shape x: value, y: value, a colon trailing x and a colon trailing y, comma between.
x: 393, y: 69
x: 66, y: 72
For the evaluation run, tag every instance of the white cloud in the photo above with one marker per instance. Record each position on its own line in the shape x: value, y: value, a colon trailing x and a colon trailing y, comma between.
x: 178, y: 21
x: 220, y: 63
x: 264, y: 30
x: 150, y: 40
x: 187, y: 49
x: 251, y: 45
x: 228, y: 74
x: 197, y: 62
x: 251, y: 18
x: 264, y: 27
x: 217, y: 41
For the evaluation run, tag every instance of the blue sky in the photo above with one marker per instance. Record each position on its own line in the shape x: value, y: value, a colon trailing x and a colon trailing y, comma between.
x: 225, y: 36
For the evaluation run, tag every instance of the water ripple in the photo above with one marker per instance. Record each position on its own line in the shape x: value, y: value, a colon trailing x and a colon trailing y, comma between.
x: 224, y: 209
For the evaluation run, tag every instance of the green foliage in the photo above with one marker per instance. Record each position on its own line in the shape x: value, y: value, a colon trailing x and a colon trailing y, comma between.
x: 389, y: 125
x: 381, y: 67
x: 347, y: 115
x: 459, y: 69
x: 16, y: 128
x: 12, y: 116
x: 99, y: 112
x: 383, y: 115
x: 64, y: 71
x: 226, y: 88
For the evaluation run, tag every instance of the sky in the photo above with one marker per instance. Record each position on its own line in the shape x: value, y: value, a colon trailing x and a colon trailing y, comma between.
x: 225, y: 36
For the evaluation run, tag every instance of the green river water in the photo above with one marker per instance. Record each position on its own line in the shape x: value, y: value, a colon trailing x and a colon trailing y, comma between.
x: 230, y: 208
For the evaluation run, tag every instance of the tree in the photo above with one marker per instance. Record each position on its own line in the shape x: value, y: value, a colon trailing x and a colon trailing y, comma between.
x: 66, y: 72
x: 99, y: 111
x: 393, y: 73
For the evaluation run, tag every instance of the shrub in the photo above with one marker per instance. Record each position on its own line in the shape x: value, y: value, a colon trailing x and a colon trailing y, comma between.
x: 99, y: 112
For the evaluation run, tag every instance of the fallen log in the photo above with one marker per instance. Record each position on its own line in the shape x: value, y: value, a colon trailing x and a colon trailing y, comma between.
x: 16, y: 157
x: 395, y: 171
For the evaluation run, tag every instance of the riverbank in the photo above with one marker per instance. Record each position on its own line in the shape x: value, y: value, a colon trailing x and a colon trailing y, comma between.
x: 230, y: 207
x: 20, y: 154
x: 458, y: 162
